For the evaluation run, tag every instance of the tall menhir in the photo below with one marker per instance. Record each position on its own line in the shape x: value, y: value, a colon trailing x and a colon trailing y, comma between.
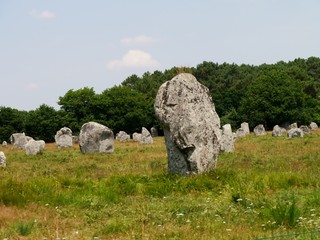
x: 191, y: 125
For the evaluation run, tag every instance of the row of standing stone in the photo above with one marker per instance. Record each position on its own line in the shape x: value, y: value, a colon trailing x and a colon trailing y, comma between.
x: 228, y: 137
x: 94, y: 137
x: 292, y: 130
x: 145, y: 137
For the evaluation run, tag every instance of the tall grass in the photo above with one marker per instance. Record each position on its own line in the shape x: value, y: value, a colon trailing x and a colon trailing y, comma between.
x: 267, y: 186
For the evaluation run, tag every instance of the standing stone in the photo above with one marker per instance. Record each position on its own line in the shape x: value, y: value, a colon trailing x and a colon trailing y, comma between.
x: 292, y: 125
x: 227, y: 139
x: 278, y: 131
x: 154, y: 132
x: 146, y: 137
x: 63, y: 138
x: 122, y: 136
x: 243, y: 130
x: 305, y: 129
x: 41, y: 144
x: 96, y: 138
x: 4, y: 144
x: 313, y: 126
x: 295, y: 132
x: 259, y: 130
x: 245, y: 127
x: 32, y: 147
x: 18, y: 140
x: 240, y: 133
x: 2, y: 159
x: 29, y: 138
x: 136, y: 137
x: 191, y: 125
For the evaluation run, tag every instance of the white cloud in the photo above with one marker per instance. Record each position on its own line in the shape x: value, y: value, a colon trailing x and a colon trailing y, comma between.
x: 138, y: 40
x: 47, y: 15
x: 31, y: 86
x: 42, y: 15
x: 134, y: 59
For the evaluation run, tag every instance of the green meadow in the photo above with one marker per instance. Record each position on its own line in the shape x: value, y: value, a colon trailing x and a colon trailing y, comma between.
x: 268, y: 187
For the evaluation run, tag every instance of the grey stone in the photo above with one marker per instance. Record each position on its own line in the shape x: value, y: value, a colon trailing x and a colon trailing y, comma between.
x: 305, y: 129
x: 41, y: 144
x: 243, y: 130
x: 245, y: 127
x: 154, y: 132
x: 259, y: 130
x: 295, y: 132
x: 29, y: 138
x: 292, y: 125
x: 278, y: 131
x: 191, y: 125
x: 227, y: 139
x: 136, y: 137
x: 240, y: 133
x: 146, y: 137
x: 19, y: 140
x: 122, y: 136
x: 313, y: 126
x: 4, y: 144
x: 63, y: 138
x: 96, y: 138
x: 32, y: 147
x: 2, y: 159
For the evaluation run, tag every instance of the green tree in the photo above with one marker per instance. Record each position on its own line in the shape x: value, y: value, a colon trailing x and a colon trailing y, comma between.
x: 43, y: 123
x: 123, y: 108
x: 276, y: 98
x: 79, y: 106
x: 11, y: 121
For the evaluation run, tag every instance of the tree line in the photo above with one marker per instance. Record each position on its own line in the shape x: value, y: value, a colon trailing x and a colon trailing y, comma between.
x: 268, y: 94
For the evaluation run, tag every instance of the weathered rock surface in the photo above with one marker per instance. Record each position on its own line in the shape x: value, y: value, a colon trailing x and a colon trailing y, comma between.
x: 295, y: 132
x: 313, y: 126
x: 292, y: 125
x: 240, y: 133
x: 29, y: 138
x: 136, y: 137
x: 2, y: 159
x: 96, y: 138
x: 259, y: 130
x: 32, y: 147
x: 63, y: 138
x: 227, y: 139
x: 154, y: 132
x: 305, y: 129
x: 19, y: 140
x: 278, y: 131
x: 122, y: 136
x: 243, y: 130
x: 146, y: 137
x: 41, y: 144
x: 190, y: 123
x: 245, y: 127
x: 4, y: 144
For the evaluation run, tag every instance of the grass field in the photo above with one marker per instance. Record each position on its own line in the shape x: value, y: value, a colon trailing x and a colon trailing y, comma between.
x: 269, y: 186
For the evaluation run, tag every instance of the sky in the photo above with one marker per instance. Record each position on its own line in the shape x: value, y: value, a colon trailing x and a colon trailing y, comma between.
x: 48, y: 47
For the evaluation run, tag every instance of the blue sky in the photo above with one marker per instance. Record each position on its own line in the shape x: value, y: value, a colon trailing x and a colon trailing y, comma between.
x: 48, y: 47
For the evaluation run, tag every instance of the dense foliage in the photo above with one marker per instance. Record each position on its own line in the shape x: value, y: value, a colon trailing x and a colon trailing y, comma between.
x: 268, y: 94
